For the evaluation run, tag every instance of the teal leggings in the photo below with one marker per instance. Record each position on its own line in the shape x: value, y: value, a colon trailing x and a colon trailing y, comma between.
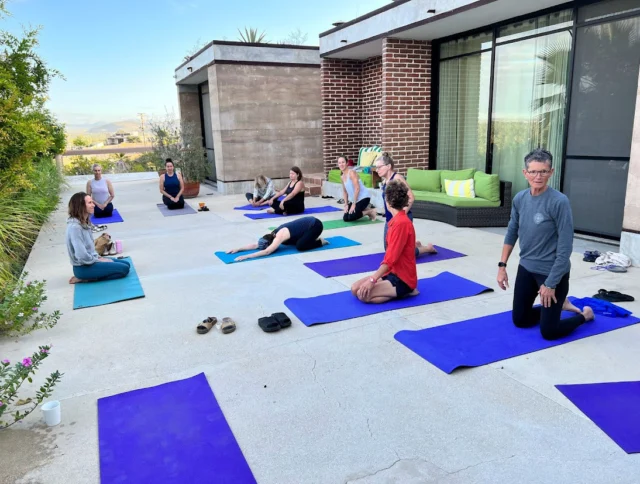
x: 103, y: 271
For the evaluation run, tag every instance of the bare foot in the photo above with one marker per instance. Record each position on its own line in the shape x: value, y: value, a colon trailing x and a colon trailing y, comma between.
x: 324, y: 242
x: 75, y: 280
x: 588, y: 314
x: 371, y: 213
x: 426, y: 249
x: 567, y: 306
x: 415, y: 292
x: 271, y: 211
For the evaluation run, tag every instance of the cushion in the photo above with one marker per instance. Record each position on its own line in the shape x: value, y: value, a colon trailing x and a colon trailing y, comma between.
x: 334, y: 176
x: 456, y: 175
x: 460, y: 188
x: 457, y: 202
x: 487, y: 186
x: 424, y: 180
x: 367, y: 179
x: 368, y: 158
x: 368, y: 149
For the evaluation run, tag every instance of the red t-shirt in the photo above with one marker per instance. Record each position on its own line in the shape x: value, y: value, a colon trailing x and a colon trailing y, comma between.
x: 400, y: 255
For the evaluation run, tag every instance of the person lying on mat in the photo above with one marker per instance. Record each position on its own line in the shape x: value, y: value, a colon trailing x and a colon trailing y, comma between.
x: 384, y: 166
x: 263, y: 190
x: 541, y: 219
x: 101, y: 191
x: 397, y: 276
x: 304, y: 233
x: 171, y: 187
x: 293, y: 202
x: 355, y: 194
x: 87, y: 264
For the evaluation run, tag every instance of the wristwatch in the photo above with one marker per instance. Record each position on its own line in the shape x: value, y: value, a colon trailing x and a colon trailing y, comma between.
x: 502, y: 264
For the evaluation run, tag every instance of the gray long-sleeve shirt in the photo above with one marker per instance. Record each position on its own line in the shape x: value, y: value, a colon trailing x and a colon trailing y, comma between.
x: 544, y: 225
x: 80, y: 246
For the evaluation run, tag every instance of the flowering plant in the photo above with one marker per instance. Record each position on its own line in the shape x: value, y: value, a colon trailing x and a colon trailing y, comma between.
x: 11, y: 379
x: 20, y: 308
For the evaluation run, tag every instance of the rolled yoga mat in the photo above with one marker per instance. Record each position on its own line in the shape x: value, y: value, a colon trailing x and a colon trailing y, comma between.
x: 114, y: 219
x: 613, y: 407
x: 339, y: 224
x: 371, y: 263
x: 187, y: 210
x: 174, y: 433
x: 344, y: 305
x: 307, y: 211
x: 89, y: 294
x: 488, y: 339
x: 334, y: 243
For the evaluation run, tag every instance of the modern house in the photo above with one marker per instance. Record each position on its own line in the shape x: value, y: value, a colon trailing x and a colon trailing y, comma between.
x: 120, y: 137
x: 452, y: 84
x: 259, y: 108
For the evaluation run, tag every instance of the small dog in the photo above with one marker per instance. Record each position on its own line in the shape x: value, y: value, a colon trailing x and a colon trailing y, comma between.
x: 104, y: 245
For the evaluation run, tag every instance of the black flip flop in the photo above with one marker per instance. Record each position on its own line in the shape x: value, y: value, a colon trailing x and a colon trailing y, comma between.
x: 269, y: 324
x: 282, y: 319
x: 613, y: 296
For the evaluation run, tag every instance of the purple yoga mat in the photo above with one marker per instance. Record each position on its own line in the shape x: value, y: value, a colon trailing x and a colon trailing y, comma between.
x: 251, y: 207
x: 614, y: 407
x: 173, y: 433
x: 114, y: 219
x: 488, y: 339
x: 344, y: 305
x: 307, y: 211
x: 371, y: 263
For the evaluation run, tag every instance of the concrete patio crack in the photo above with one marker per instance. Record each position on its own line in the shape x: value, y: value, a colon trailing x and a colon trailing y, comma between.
x: 483, y: 462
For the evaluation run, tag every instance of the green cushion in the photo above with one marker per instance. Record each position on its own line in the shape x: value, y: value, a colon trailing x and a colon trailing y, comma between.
x: 487, y: 186
x: 456, y: 175
x: 458, y: 202
x: 334, y: 176
x: 424, y: 180
x: 367, y: 179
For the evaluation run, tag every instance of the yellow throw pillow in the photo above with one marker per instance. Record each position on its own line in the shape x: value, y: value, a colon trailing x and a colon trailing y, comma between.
x: 368, y: 158
x: 460, y: 188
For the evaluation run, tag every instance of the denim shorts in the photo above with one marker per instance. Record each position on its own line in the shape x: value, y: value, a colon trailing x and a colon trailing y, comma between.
x: 401, y: 287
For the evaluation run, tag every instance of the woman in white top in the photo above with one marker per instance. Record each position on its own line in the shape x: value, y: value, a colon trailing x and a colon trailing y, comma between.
x: 101, y: 191
x: 355, y: 194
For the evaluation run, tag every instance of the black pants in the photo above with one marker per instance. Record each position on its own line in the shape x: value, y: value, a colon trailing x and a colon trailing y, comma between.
x: 291, y: 207
x: 525, y: 315
x: 309, y: 240
x: 250, y: 197
x: 102, y: 213
x: 361, y: 206
x: 171, y: 205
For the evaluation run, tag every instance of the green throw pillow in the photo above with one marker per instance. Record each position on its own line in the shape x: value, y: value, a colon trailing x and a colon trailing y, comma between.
x: 424, y: 180
x: 456, y: 175
x: 487, y: 186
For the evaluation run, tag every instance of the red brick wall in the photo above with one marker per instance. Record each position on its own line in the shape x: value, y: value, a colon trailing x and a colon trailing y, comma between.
x: 341, y: 82
x: 406, y: 96
x: 372, y: 101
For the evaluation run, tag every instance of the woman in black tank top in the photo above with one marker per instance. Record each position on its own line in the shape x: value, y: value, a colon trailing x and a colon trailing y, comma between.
x: 293, y: 202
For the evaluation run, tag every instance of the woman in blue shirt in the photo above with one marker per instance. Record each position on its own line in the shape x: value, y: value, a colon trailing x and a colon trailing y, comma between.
x: 171, y: 187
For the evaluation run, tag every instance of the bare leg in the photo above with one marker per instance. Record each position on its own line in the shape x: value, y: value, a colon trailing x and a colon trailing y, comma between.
x: 381, y: 292
x: 567, y: 306
x: 356, y: 285
x: 271, y: 210
x: 425, y: 249
x: 324, y: 242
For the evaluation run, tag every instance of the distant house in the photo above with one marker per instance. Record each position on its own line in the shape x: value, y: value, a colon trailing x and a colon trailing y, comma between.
x: 120, y: 137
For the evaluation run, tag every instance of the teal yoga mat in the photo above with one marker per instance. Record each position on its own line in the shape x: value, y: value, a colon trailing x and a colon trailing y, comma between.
x: 334, y: 243
x: 89, y: 294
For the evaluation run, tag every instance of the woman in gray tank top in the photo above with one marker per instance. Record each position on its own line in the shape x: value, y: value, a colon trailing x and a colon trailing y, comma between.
x: 355, y: 194
x: 101, y: 192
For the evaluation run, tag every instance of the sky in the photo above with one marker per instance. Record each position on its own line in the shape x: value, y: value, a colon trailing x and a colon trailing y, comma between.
x: 118, y: 57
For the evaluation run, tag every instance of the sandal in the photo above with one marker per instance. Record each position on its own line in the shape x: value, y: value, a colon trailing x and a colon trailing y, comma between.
x: 282, y: 319
x: 269, y: 324
x: 613, y: 296
x: 205, y: 326
x: 228, y: 325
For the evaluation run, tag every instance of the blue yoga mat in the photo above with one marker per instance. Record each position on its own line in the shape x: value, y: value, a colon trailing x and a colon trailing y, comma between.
x: 344, y: 305
x: 251, y: 207
x: 334, y: 243
x: 307, y: 211
x: 89, y: 294
x: 173, y: 433
x: 484, y: 340
x: 114, y: 219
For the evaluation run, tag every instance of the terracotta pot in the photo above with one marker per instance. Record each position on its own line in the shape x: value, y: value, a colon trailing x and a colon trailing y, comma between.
x: 191, y: 189
x: 161, y: 171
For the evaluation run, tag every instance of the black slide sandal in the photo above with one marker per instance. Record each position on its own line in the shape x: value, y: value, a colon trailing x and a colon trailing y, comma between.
x: 282, y: 319
x: 269, y: 324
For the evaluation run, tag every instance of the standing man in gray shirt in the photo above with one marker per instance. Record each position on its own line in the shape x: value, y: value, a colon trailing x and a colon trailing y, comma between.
x: 541, y: 218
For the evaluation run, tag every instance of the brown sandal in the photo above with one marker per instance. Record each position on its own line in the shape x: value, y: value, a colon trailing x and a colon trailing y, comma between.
x: 205, y: 326
x: 228, y: 325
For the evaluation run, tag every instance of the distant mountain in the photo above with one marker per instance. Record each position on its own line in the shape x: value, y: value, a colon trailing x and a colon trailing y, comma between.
x: 104, y: 127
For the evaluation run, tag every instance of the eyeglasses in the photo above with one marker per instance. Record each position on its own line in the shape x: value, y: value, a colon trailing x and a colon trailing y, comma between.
x: 535, y: 173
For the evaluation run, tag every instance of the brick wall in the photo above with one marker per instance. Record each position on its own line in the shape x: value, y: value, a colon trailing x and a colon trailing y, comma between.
x: 341, y: 82
x: 406, y: 96
x: 372, y: 101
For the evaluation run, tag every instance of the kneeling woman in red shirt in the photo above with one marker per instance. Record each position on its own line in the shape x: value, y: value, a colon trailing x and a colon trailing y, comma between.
x: 397, y: 276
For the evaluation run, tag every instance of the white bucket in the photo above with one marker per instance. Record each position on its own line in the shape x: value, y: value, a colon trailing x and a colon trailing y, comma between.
x: 51, y: 413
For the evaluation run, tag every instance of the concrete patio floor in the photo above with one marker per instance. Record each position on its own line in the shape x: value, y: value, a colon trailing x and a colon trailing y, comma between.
x: 335, y: 403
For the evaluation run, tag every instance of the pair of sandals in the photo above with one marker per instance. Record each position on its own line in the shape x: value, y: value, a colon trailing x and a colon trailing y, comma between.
x: 613, y: 296
x: 98, y: 228
x: 275, y: 322
x: 228, y: 325
x: 203, y: 209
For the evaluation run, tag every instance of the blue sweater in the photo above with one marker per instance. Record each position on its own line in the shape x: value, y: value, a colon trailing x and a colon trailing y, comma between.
x: 544, y: 225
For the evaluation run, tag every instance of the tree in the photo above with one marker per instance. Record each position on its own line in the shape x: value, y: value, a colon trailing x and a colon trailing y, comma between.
x: 133, y: 139
x: 80, y: 141
x: 296, y: 37
x: 252, y: 36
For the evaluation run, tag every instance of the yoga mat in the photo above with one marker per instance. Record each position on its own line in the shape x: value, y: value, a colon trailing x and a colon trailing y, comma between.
x: 251, y: 207
x: 187, y: 210
x: 89, y: 294
x: 344, y: 305
x: 114, y: 219
x: 614, y: 407
x: 488, y: 339
x: 174, y: 433
x: 334, y: 243
x: 339, y: 224
x: 371, y: 263
x: 307, y: 211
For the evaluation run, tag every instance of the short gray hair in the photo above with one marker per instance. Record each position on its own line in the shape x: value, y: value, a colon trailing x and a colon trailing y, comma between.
x: 540, y: 155
x: 95, y: 165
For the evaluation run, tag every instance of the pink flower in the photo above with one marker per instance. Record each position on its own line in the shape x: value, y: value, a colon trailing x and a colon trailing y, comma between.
x: 5, y: 362
x: 44, y: 350
x: 35, y: 309
x: 26, y: 362
x: 1, y: 404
